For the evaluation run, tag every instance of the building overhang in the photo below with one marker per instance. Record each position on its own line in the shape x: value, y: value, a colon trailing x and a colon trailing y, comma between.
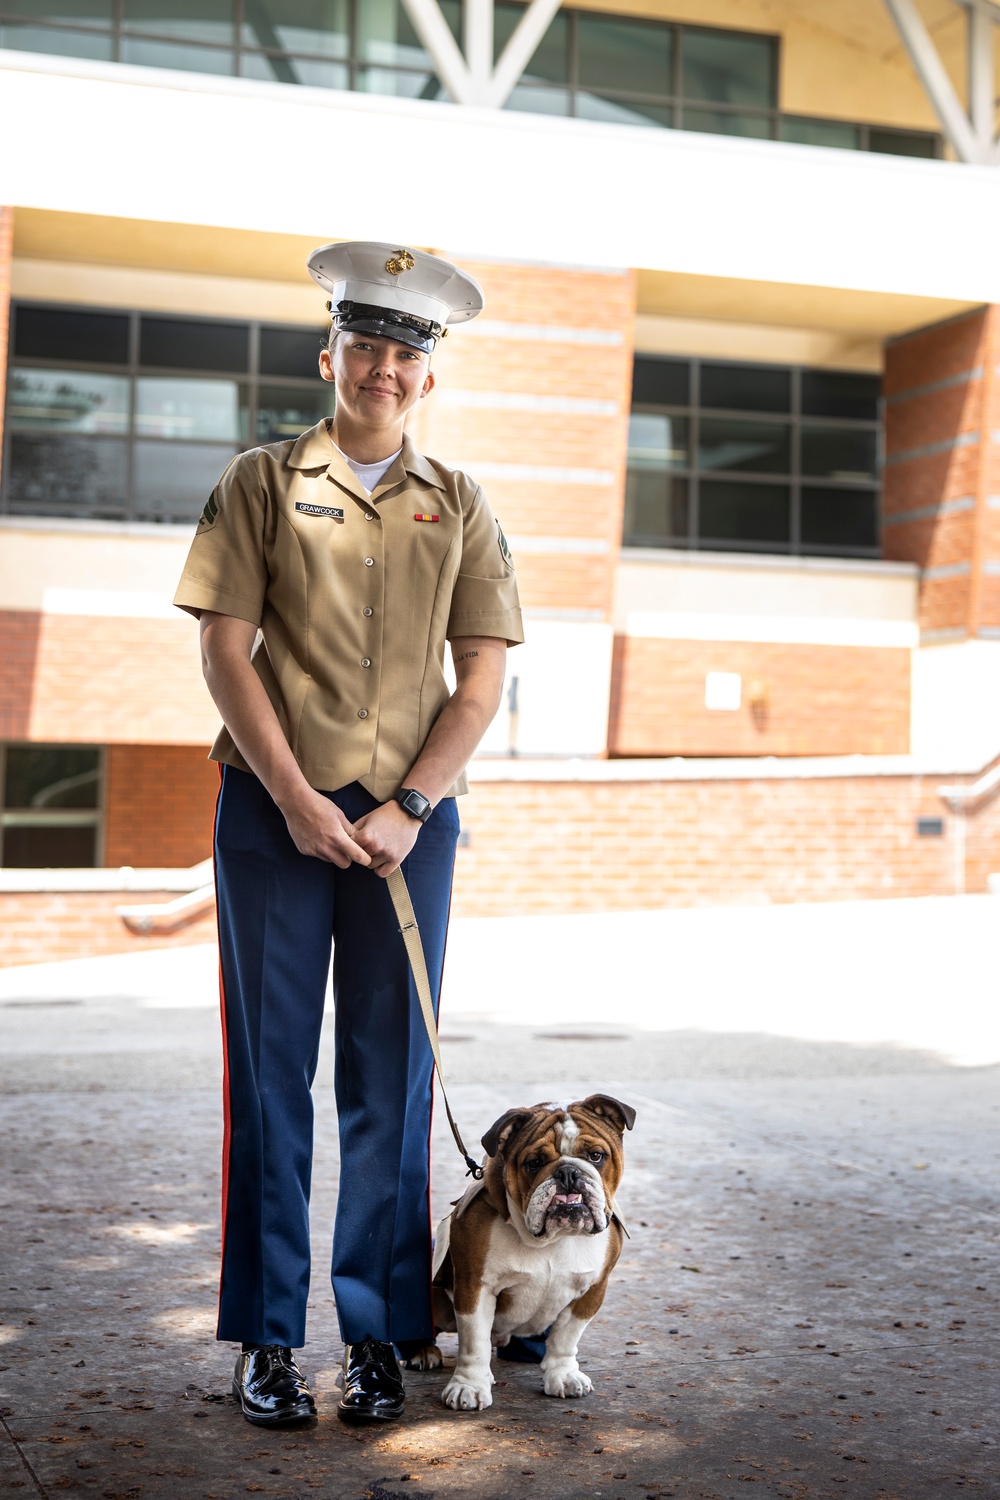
x: 916, y: 236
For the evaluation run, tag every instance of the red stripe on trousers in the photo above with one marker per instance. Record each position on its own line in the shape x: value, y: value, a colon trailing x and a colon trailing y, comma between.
x: 226, y: 1114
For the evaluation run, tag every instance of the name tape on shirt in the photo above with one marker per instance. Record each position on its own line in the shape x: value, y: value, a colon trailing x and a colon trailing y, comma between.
x: 320, y: 510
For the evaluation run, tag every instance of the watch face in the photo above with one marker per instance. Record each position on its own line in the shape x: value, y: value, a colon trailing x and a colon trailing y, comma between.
x: 417, y: 805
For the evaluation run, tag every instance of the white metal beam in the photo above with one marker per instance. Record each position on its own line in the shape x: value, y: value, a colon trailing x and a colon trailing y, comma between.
x: 980, y: 71
x: 520, y: 49
x: 970, y: 135
x: 472, y: 78
x: 477, y: 37
x: 435, y: 33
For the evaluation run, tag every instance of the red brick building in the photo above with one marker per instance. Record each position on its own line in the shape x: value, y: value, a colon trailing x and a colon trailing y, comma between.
x: 734, y: 398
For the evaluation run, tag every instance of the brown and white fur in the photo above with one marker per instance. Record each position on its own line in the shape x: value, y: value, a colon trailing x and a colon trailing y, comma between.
x: 532, y: 1246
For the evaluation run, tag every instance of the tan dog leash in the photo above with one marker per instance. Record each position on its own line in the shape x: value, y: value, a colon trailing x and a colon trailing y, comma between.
x: 415, y: 953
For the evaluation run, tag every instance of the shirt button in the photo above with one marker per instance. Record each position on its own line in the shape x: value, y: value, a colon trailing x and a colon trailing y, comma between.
x: 369, y: 562
x: 362, y: 713
x: 365, y: 661
x: 367, y: 611
x: 369, y: 515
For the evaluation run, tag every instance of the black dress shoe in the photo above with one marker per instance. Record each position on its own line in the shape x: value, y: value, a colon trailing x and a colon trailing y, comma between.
x: 373, y: 1387
x: 270, y: 1388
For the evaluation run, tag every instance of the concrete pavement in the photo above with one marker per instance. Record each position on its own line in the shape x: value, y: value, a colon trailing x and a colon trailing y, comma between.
x: 808, y: 1302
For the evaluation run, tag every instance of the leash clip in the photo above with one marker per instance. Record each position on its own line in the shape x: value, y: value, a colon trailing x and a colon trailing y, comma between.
x: 475, y: 1170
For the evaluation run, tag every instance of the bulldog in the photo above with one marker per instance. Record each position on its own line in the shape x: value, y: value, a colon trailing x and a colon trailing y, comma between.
x: 532, y: 1245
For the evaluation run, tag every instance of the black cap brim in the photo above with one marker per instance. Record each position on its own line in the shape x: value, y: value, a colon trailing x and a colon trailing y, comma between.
x: 384, y: 323
x: 381, y: 329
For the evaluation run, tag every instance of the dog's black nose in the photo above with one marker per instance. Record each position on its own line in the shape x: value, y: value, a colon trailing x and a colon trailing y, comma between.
x: 569, y: 1177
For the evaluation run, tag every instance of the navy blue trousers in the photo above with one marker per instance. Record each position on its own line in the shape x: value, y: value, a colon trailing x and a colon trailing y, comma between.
x: 279, y: 912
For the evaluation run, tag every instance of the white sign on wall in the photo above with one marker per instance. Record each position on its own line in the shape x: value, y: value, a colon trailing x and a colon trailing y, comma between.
x: 723, y: 690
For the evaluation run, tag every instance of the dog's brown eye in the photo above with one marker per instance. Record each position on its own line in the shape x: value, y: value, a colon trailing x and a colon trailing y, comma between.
x: 533, y: 1165
x: 597, y: 1157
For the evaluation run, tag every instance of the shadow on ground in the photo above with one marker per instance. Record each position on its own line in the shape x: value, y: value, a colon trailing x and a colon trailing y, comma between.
x: 807, y: 1303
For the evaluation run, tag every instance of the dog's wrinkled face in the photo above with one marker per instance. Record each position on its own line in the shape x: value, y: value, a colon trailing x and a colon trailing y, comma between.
x: 560, y: 1165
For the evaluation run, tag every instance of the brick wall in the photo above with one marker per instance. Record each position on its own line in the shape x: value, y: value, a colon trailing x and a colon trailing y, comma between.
x: 159, y: 806
x: 540, y: 847
x: 942, y: 407
x: 544, y: 402
x: 98, y: 680
x: 43, y: 927
x: 623, y: 846
x: 19, y: 636
x: 820, y: 700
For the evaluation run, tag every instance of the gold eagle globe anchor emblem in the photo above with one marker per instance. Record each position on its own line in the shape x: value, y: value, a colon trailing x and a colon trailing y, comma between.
x: 400, y: 262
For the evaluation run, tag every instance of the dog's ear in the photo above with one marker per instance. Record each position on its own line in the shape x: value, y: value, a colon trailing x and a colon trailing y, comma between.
x: 501, y: 1130
x: 622, y: 1116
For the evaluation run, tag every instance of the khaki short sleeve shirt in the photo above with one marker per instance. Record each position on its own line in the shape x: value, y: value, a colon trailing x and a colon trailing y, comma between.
x: 355, y: 597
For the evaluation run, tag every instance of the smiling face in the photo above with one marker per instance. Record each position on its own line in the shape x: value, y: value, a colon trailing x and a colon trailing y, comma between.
x: 559, y: 1167
x: 378, y: 380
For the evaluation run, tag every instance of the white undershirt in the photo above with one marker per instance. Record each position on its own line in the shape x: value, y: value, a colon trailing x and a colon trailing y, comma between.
x: 370, y: 475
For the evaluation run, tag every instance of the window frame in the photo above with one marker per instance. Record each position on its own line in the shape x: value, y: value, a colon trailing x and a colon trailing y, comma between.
x: 67, y: 817
x: 120, y: 32
x: 795, y: 419
x: 252, y: 380
x: 355, y: 64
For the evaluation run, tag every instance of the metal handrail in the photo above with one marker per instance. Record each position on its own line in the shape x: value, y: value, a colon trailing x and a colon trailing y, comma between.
x: 967, y: 797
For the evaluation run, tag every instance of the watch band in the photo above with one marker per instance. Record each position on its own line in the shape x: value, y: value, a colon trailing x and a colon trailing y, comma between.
x: 414, y: 803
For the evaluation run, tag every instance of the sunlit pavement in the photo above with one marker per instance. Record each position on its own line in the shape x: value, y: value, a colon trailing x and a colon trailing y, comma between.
x: 808, y: 1301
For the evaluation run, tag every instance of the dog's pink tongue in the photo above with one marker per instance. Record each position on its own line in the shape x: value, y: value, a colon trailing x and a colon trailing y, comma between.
x: 568, y: 1198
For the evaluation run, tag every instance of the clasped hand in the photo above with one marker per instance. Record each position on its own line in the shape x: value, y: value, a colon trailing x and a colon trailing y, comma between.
x: 380, y: 840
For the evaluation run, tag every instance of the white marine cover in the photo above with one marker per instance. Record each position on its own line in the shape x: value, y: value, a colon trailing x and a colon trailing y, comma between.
x: 362, y: 271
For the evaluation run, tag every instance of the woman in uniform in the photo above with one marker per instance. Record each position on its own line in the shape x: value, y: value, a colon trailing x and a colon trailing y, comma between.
x: 327, y: 574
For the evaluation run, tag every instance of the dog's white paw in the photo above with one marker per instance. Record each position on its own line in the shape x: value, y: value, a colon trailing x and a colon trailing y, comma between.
x: 566, y: 1382
x: 467, y: 1393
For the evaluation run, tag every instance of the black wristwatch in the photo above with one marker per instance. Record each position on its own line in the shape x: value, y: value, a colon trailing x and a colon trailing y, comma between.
x: 415, y: 803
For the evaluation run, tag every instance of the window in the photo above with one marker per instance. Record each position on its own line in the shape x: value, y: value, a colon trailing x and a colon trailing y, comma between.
x: 743, y: 457
x: 51, y: 815
x: 118, y: 416
x: 596, y: 66
x: 629, y: 71
x: 847, y: 137
x: 338, y: 44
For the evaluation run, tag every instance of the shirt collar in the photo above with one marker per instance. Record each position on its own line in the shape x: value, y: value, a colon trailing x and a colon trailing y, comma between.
x: 314, y: 450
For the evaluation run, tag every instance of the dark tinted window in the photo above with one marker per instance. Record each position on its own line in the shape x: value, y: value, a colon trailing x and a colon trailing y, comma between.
x: 753, y: 447
x: 51, y: 776
x: 285, y: 411
x: 726, y: 68
x: 195, y: 20
x: 732, y: 512
x: 83, y: 337
x: 290, y: 351
x: 744, y: 466
x: 631, y: 55
x: 746, y: 387
x: 656, y: 508
x: 661, y: 382
x: 806, y: 132
x: 901, y: 142
x: 50, y: 847
x: 550, y: 61
x: 843, y: 518
x: 80, y: 477
x: 180, y: 345
x: 827, y: 393
x: 64, y: 12
x: 839, y: 452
